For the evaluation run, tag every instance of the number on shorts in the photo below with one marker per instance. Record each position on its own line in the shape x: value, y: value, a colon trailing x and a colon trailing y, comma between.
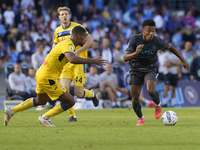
x: 80, y: 80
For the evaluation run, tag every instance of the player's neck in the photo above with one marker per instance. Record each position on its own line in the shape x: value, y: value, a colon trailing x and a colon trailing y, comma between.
x: 64, y: 26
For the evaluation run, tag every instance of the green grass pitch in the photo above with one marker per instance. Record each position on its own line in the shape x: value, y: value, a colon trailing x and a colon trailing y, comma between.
x: 106, y: 129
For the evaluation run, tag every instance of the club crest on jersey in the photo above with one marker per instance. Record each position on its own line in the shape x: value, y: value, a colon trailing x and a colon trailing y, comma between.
x: 71, y: 48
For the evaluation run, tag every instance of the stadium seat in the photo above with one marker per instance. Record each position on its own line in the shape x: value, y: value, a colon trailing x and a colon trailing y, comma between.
x: 10, y: 94
x: 25, y: 68
x: 9, y: 68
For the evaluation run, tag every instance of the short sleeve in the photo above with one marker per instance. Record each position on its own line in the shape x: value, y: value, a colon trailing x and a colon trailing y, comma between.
x: 162, y: 44
x: 70, y: 48
x: 55, y: 38
x: 132, y: 44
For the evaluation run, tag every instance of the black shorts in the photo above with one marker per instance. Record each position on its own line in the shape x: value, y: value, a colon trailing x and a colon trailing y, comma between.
x: 138, y: 78
x: 171, y: 79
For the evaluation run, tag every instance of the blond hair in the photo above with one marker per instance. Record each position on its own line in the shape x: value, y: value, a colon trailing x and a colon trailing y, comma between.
x: 63, y: 8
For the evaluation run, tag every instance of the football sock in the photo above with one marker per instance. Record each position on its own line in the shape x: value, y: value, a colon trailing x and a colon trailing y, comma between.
x: 71, y: 111
x: 155, y: 98
x: 31, y: 102
x: 113, y: 104
x: 173, y: 101
x: 137, y: 109
x: 87, y: 93
x: 165, y: 100
x: 59, y: 108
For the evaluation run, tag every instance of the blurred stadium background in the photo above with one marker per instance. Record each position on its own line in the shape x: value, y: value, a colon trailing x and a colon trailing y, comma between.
x: 178, y: 21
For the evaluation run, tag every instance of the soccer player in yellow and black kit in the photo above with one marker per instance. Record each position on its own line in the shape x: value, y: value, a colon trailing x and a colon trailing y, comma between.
x: 47, y: 78
x: 73, y: 72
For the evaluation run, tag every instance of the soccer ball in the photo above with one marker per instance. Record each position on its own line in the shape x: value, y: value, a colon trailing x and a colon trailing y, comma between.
x: 169, y: 118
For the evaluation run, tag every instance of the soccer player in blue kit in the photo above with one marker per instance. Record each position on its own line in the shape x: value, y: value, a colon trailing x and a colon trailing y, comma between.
x: 141, y: 54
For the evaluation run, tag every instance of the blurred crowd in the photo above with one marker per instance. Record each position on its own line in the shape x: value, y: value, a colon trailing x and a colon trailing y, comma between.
x: 27, y: 28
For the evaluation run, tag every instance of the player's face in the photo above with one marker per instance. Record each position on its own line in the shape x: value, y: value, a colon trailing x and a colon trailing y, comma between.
x: 64, y: 16
x: 148, y: 33
x: 82, y: 39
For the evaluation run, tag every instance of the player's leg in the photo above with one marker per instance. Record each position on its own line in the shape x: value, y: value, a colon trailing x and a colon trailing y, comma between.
x: 67, y: 101
x: 173, y: 96
x: 41, y: 99
x: 136, y: 83
x: 174, y: 83
x: 135, y: 94
x: 80, y: 92
x: 57, y: 92
x: 145, y: 102
x: 66, y: 82
x: 151, y: 82
x: 79, y: 76
x: 166, y: 89
x: 165, y: 95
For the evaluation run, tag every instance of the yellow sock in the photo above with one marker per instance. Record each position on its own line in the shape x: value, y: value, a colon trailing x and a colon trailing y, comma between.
x: 59, y: 108
x: 71, y: 111
x: 31, y: 102
x: 88, y: 93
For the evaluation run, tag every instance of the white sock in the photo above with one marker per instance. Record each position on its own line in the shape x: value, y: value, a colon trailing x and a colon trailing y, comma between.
x: 74, y: 116
x: 173, y: 101
x: 124, y: 104
x: 93, y: 94
x: 165, y: 100
x: 118, y: 103
x: 43, y: 116
x: 112, y: 104
x: 141, y: 117
x: 158, y: 104
x: 12, y: 113
x: 147, y: 103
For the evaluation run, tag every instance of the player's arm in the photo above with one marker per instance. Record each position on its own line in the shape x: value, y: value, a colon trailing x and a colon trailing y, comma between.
x: 55, y: 39
x: 77, y: 60
x: 128, y: 55
x: 88, y: 43
x: 175, y: 52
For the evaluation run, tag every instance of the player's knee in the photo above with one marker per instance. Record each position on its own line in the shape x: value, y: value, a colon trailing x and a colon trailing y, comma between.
x: 151, y: 91
x: 41, y: 102
x: 72, y: 103
x: 135, y: 99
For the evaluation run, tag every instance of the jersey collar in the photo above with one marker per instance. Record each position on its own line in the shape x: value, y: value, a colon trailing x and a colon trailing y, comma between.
x: 67, y: 26
x: 73, y: 42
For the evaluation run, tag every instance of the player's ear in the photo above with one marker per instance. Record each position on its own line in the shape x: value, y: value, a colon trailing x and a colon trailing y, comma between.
x: 143, y: 30
x: 78, y: 36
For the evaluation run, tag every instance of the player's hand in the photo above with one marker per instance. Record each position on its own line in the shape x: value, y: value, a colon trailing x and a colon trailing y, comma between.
x: 76, y: 53
x: 186, y: 65
x: 99, y: 61
x: 139, y: 48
